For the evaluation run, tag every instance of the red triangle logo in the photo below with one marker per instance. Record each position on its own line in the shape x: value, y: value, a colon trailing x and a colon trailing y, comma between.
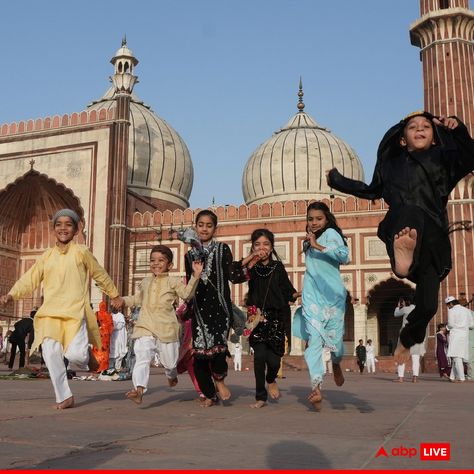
x: 381, y: 452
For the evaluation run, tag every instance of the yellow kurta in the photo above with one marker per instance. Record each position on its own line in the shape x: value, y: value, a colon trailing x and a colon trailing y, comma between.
x: 65, y: 275
x: 155, y: 296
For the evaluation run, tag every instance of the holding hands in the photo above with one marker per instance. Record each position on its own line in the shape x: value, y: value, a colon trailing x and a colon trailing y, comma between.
x: 197, y: 268
x: 117, y: 302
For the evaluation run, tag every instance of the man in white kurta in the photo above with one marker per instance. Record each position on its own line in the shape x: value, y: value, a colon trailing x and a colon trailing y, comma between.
x: 238, y: 356
x: 118, y: 341
x: 404, y: 308
x: 460, y: 320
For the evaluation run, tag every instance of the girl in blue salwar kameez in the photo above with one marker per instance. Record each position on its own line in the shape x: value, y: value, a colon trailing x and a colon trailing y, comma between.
x: 320, y: 321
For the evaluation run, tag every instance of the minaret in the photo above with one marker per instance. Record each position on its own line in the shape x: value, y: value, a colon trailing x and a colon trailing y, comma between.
x: 123, y: 80
x: 445, y: 34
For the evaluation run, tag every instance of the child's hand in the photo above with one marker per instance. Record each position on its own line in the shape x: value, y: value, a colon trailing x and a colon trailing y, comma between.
x: 256, y: 257
x: 448, y: 122
x: 117, y: 302
x: 4, y: 299
x: 197, y: 268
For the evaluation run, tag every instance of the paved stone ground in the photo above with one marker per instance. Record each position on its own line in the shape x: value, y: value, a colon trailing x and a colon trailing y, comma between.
x: 170, y: 430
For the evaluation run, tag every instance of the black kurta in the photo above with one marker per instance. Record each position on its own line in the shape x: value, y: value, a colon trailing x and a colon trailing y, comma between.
x: 270, y: 289
x: 416, y: 185
x: 212, y: 306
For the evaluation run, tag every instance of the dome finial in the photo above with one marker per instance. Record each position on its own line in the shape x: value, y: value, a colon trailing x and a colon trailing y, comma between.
x: 300, y: 95
x: 124, y: 40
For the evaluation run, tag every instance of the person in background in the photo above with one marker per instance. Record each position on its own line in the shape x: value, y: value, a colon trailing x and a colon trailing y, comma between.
x: 118, y: 341
x: 370, y: 350
x: 327, y: 360
x: 444, y: 366
x: 361, y: 354
x: 460, y: 320
x: 22, y: 329
x: 238, y: 356
x: 403, y: 309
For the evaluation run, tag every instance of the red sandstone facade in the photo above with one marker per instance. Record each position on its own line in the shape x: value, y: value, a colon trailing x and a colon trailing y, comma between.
x: 45, y: 158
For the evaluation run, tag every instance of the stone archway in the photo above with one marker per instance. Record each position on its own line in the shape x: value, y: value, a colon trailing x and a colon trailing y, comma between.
x: 29, y: 203
x: 26, y: 208
x: 383, y: 299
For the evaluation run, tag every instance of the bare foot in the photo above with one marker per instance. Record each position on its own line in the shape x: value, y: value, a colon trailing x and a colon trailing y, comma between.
x: 401, y: 354
x: 415, y: 379
x: 274, y: 391
x: 135, y: 395
x: 337, y: 374
x: 68, y: 403
x: 258, y: 404
x: 399, y: 380
x: 207, y: 402
x: 173, y: 382
x: 403, y: 248
x: 316, y: 398
x: 223, y: 390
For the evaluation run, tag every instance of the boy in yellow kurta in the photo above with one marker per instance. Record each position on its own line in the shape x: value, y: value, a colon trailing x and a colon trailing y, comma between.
x: 157, y: 327
x: 64, y: 324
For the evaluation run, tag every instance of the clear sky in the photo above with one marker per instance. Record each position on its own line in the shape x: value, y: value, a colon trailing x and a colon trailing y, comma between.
x: 223, y: 73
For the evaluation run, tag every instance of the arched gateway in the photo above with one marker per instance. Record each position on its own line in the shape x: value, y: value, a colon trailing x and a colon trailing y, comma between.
x: 26, y: 208
x: 382, y: 326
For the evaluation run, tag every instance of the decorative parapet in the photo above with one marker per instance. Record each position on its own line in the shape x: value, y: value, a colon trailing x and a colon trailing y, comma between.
x: 86, y: 117
x: 244, y: 212
x: 340, y: 206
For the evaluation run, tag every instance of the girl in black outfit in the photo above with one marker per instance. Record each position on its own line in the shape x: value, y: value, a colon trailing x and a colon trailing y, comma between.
x: 419, y: 162
x: 270, y: 290
x: 212, y: 308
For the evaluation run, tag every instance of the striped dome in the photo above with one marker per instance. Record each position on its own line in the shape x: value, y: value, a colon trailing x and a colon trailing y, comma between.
x: 159, y: 163
x: 292, y: 164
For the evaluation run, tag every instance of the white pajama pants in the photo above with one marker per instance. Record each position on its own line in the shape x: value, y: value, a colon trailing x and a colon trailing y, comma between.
x: 415, y: 364
x: 370, y: 364
x: 145, y: 348
x: 457, y: 369
x: 53, y: 354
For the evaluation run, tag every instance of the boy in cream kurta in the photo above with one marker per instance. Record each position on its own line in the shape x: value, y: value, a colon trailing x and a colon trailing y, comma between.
x: 157, y: 327
x: 65, y: 323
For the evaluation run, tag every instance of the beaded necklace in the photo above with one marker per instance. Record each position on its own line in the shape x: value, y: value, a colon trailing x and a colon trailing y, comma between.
x: 264, y: 270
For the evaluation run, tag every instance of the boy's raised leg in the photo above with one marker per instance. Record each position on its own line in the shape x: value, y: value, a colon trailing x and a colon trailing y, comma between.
x: 403, y: 248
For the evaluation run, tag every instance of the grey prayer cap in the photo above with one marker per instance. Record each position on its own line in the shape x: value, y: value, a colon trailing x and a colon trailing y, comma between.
x: 68, y: 213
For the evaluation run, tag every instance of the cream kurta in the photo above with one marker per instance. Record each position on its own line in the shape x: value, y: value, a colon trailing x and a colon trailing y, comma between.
x: 156, y: 296
x: 65, y: 275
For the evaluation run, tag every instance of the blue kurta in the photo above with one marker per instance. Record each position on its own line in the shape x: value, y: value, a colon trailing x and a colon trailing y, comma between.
x: 321, y: 321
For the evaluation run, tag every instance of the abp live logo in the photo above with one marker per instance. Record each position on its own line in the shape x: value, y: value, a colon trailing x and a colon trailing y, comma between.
x: 435, y: 451
x: 428, y: 452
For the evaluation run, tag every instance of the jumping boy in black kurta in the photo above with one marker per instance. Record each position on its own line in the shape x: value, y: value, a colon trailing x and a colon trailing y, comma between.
x: 419, y: 162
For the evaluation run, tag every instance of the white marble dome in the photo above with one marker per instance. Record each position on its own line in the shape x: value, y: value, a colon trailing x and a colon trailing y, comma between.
x: 159, y: 164
x: 292, y: 164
